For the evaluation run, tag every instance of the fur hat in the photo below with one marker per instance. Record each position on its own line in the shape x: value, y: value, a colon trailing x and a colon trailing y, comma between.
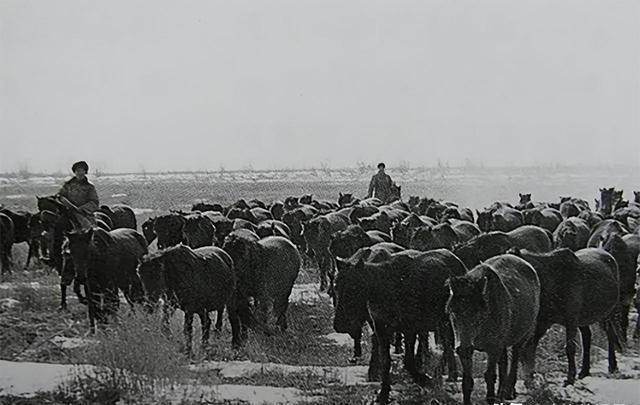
x: 81, y: 164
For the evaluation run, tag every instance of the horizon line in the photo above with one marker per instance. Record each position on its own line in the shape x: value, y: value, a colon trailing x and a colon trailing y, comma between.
x: 401, y: 168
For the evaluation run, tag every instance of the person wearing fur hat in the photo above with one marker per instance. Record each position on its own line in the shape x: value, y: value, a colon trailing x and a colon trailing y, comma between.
x: 79, y: 195
x: 381, y: 185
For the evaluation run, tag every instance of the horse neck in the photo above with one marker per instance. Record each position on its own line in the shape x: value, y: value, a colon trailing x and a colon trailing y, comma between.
x: 177, y: 259
x: 374, y: 276
x: 252, y: 266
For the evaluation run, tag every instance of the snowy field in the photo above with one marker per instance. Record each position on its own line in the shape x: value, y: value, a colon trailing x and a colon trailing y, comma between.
x: 46, y: 355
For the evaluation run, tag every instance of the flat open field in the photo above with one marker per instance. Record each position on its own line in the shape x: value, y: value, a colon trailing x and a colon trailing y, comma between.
x: 133, y: 362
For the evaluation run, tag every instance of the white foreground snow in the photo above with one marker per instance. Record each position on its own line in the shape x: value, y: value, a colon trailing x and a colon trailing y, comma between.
x: 351, y: 375
x: 28, y: 379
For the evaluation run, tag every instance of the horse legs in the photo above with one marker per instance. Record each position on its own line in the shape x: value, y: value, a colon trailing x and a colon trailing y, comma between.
x: 63, y: 296
x: 357, y: 347
x: 236, y: 328
x: 167, y: 313
x: 30, y: 253
x: 509, y: 387
x: 490, y: 375
x: 502, y: 374
x: 624, y: 308
x: 91, y: 309
x: 585, y: 332
x: 76, y: 289
x: 374, y: 362
x: 466, y: 358
x: 5, y: 262
x: 322, y: 267
x: 205, y: 321
x: 188, y: 331
x: 448, y: 341
x: 423, y: 350
x: 219, y: 318
x: 409, y: 359
x: 636, y: 333
x: 384, y: 343
x: 570, y: 349
x: 281, y: 310
x: 397, y: 343
x: 612, y: 340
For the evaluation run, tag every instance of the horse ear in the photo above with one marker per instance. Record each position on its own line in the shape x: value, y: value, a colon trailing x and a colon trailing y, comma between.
x: 340, y: 194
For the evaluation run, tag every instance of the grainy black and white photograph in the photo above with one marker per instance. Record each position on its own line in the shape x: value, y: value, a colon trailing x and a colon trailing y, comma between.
x: 319, y: 202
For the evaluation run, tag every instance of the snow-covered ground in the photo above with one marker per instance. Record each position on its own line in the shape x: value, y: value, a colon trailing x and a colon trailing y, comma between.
x: 27, y: 379
x: 350, y: 375
x: 308, y: 294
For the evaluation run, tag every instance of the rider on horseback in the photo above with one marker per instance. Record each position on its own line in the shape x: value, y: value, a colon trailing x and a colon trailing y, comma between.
x: 80, y: 196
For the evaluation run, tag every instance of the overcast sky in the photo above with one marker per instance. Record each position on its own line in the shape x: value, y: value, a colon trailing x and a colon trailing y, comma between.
x: 189, y: 85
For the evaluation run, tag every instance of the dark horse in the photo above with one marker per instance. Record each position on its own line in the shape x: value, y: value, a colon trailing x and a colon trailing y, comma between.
x: 494, y: 307
x: 406, y: 294
x: 108, y: 262
x: 576, y: 290
x: 195, y: 280
x: 266, y: 270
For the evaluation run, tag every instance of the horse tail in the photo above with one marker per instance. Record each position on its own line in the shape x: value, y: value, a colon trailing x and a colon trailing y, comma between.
x: 613, y: 323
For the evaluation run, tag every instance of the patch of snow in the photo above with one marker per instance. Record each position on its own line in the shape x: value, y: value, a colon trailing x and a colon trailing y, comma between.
x: 7, y: 303
x: 15, y: 196
x: 140, y: 211
x: 251, y: 394
x: 341, y: 339
x: 602, y: 390
x: 351, y: 375
x: 308, y: 294
x: 71, y: 343
x: 118, y: 195
x: 27, y: 379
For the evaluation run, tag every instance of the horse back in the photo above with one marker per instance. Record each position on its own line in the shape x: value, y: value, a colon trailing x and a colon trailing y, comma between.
x: 516, y: 291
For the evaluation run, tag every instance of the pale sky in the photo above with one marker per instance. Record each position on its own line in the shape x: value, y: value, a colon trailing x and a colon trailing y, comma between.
x: 192, y: 85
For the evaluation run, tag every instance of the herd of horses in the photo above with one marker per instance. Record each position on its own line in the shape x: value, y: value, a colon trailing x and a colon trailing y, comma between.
x: 496, y: 279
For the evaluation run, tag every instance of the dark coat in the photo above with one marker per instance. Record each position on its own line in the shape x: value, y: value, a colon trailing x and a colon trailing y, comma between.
x: 82, y: 194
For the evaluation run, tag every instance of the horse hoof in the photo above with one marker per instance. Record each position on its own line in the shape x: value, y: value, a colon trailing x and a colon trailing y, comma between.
x: 423, y: 380
x: 583, y: 374
x: 452, y: 378
x: 568, y: 382
x: 382, y: 398
x: 614, y: 370
x: 493, y: 400
x: 509, y: 395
